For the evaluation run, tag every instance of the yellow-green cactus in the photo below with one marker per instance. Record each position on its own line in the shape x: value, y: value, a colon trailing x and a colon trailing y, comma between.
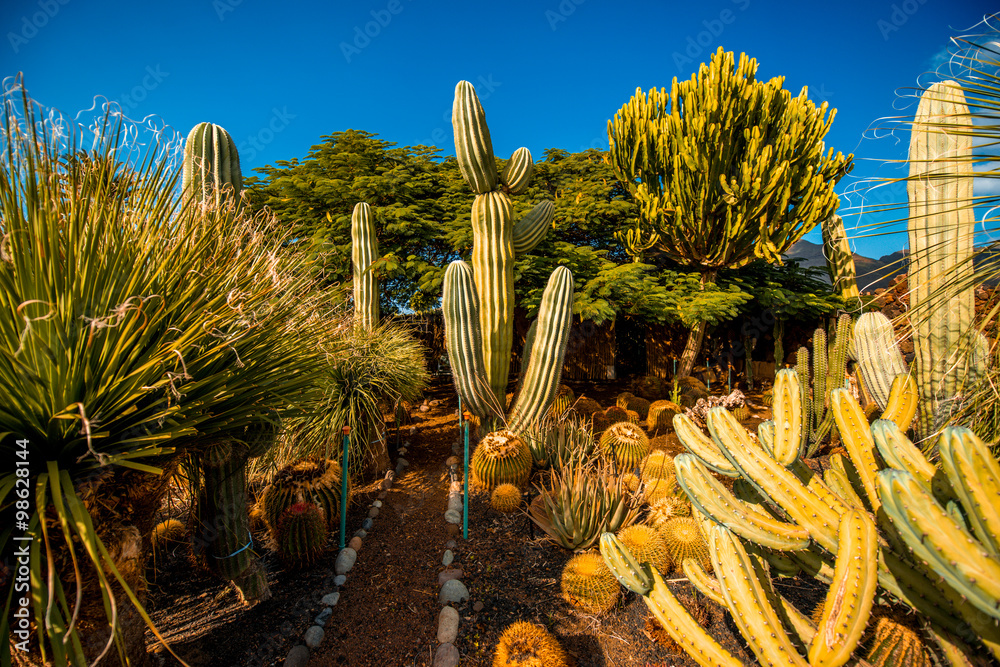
x: 501, y: 458
x: 588, y: 584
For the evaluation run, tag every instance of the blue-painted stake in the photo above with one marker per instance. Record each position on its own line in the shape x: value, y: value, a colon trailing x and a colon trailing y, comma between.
x: 675, y: 366
x: 465, y: 488
x: 729, y: 380
x: 343, y: 484
x: 708, y: 376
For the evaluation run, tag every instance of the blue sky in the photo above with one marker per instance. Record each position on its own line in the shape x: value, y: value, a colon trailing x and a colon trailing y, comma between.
x: 550, y: 73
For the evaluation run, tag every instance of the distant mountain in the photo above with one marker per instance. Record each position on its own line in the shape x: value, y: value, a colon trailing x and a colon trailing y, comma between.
x: 872, y: 273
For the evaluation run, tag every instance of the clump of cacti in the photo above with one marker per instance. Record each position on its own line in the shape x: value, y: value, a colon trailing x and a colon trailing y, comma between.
x: 501, y: 458
x: 364, y: 250
x: 301, y: 535
x: 827, y: 373
x: 684, y: 539
x: 615, y: 414
x: 626, y: 444
x: 524, y: 644
x: 211, y: 165
x: 168, y: 534
x: 667, y: 508
x: 478, y: 301
x: 314, y: 480
x: 588, y: 584
x: 660, y: 417
x: 506, y: 498
x: 894, y: 642
x: 646, y: 544
x: 741, y: 412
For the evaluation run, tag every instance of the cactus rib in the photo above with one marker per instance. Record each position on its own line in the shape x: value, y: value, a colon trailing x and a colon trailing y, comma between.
x: 364, y: 248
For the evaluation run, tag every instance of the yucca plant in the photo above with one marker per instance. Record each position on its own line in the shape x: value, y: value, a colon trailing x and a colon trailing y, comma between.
x: 136, y: 329
x: 372, y: 368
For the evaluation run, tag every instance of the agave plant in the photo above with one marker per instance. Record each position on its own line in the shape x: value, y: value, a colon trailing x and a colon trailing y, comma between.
x: 581, y: 501
x: 137, y: 329
x: 554, y: 441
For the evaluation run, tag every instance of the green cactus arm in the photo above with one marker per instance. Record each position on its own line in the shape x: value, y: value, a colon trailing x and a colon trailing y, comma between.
x: 750, y: 601
x: 623, y: 565
x: 802, y: 377
x: 702, y: 446
x: 849, y: 601
x: 814, y: 563
x: 840, y: 260
x: 790, y: 417
x: 878, y: 355
x: 684, y: 630
x: 713, y: 499
x: 799, y: 622
x: 803, y: 506
x: 364, y: 249
x: 460, y: 305
x: 898, y: 452
x: 857, y: 439
x: 211, y: 164
x: 531, y: 229
x: 820, y: 376
x: 935, y: 538
x: 941, y: 229
x: 706, y: 584
x: 473, y: 146
x: 548, y: 350
x: 839, y: 481
x: 902, y: 404
x: 975, y: 477
x: 765, y: 436
x: 516, y: 175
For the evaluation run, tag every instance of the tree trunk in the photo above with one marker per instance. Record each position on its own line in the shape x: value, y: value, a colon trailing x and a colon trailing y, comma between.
x: 697, y: 335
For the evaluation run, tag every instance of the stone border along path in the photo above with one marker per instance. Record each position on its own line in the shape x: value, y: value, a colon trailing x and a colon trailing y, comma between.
x: 348, y: 556
x: 450, y: 580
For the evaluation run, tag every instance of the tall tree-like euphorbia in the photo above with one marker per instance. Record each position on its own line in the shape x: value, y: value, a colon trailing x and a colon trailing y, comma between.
x: 725, y: 169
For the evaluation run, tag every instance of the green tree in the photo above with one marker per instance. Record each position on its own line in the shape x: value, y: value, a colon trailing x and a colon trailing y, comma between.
x: 725, y: 169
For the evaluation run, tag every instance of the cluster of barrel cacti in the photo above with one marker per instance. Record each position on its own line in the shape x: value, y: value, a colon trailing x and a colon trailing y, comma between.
x: 478, y: 300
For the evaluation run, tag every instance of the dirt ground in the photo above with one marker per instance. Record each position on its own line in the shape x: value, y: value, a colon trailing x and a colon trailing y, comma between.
x: 387, y: 612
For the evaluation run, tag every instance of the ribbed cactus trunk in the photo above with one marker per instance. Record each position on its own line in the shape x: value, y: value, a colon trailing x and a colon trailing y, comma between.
x: 364, y: 250
x: 493, y: 268
x: 941, y: 230
x: 222, y: 529
x: 840, y: 261
x: 211, y: 164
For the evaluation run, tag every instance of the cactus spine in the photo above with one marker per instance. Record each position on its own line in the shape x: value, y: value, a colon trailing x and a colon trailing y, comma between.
x: 481, y: 375
x: 211, y: 164
x: 941, y: 230
x: 364, y: 249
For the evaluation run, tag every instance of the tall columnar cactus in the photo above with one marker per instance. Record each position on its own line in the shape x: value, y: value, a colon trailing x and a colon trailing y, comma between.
x: 364, y: 250
x: 840, y: 261
x: 941, y: 231
x: 211, y: 164
x: 481, y: 325
x: 824, y: 526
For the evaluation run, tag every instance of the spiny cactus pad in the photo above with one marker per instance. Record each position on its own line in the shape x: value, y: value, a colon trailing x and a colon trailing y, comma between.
x: 627, y: 443
x: 524, y: 644
x: 506, y: 498
x: 684, y: 539
x: 646, y: 545
x: 588, y: 584
x: 501, y: 457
